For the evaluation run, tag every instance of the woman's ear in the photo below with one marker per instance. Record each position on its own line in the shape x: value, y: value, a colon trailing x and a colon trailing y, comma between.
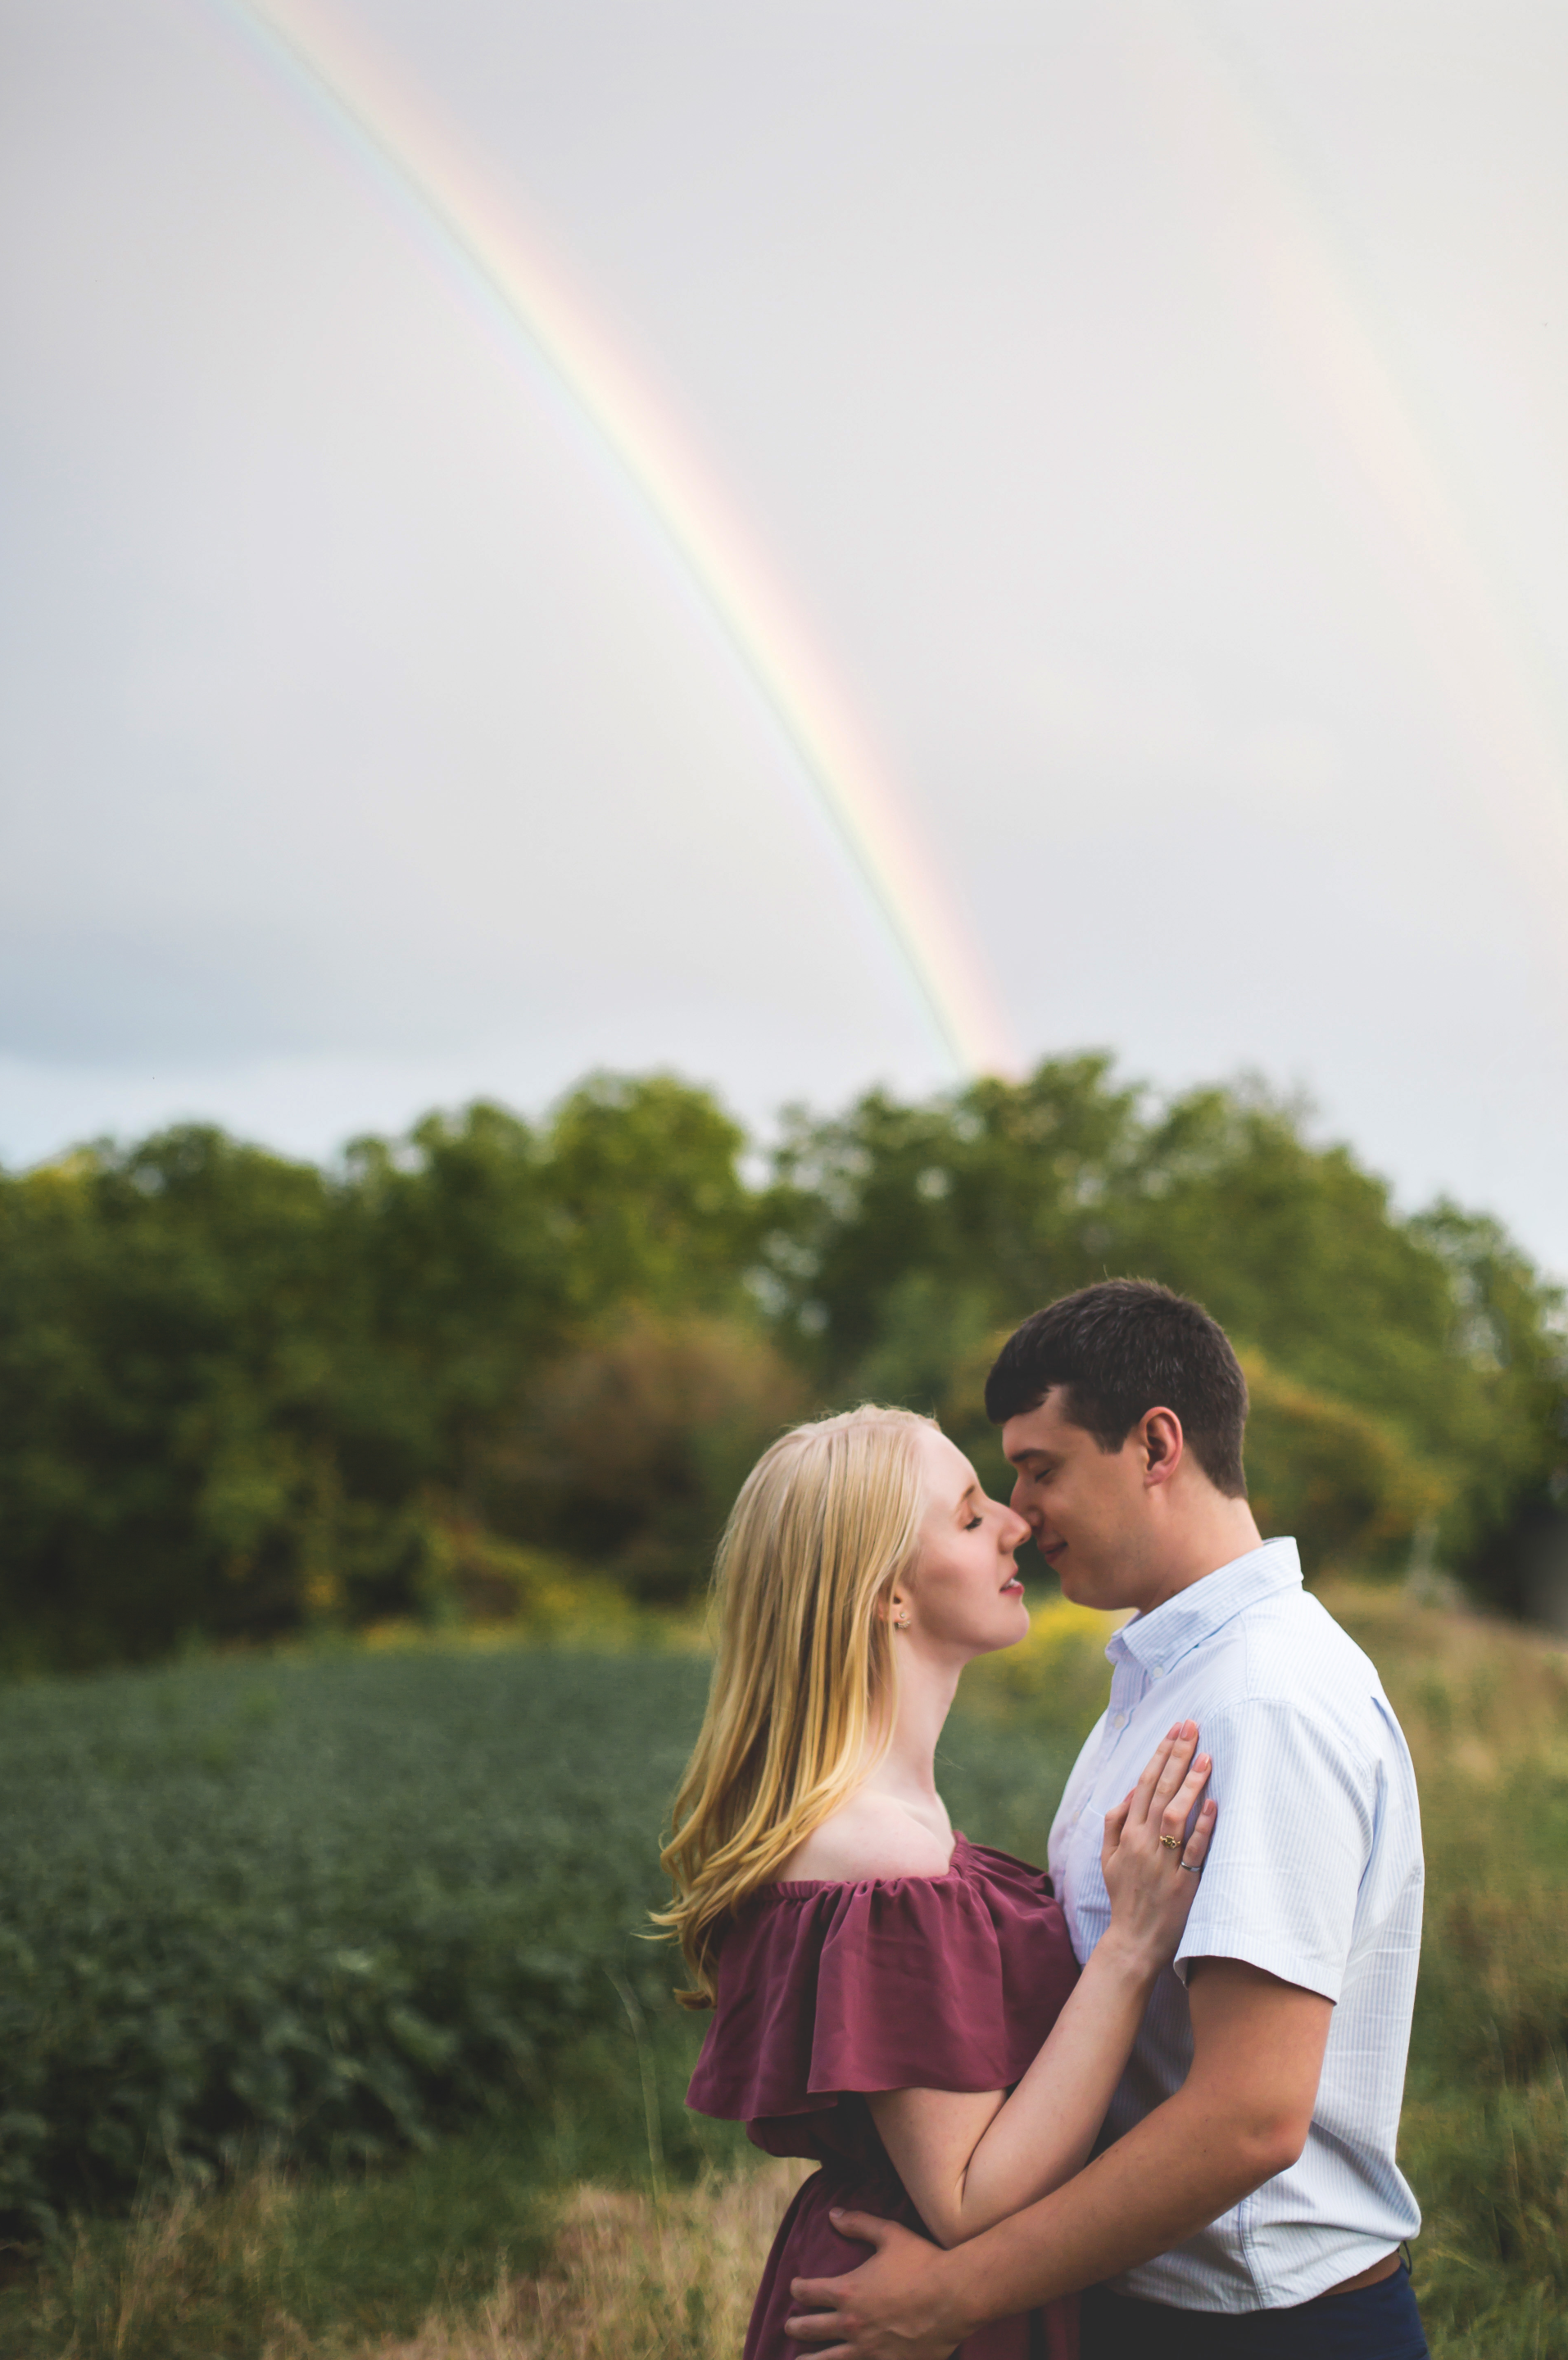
x: 898, y: 1612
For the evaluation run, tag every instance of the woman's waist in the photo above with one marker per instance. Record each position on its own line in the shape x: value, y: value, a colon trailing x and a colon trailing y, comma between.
x: 870, y: 2185
x: 861, y: 2171
x: 839, y: 2134
x: 851, y: 2159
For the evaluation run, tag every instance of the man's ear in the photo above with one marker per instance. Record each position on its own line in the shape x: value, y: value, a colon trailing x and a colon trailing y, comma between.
x: 1162, y: 1443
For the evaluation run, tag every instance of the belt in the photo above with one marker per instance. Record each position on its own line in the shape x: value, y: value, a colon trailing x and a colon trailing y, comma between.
x: 1373, y: 2276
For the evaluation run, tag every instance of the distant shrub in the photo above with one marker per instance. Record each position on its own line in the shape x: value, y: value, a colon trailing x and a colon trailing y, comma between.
x: 1056, y: 1677
x: 629, y: 1451
x: 1341, y: 1483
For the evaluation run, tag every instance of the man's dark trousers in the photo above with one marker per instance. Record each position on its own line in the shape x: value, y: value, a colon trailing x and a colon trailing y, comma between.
x: 1376, y: 2322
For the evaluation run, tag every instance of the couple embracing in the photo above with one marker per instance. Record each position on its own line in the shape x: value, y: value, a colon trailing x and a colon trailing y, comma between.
x: 1146, y: 2104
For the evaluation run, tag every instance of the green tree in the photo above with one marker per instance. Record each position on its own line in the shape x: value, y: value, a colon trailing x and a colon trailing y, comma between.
x: 456, y: 1271
x: 900, y: 1238
x: 164, y: 1390
x: 995, y: 1192
x: 643, y: 1176
x: 239, y: 1392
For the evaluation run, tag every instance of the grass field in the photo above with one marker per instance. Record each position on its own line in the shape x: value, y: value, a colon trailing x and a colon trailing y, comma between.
x: 325, y: 1970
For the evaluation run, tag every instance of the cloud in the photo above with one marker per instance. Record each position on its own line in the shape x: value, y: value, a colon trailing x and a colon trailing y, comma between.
x: 355, y: 750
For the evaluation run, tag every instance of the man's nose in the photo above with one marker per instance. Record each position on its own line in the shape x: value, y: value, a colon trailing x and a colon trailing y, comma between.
x: 1020, y: 1503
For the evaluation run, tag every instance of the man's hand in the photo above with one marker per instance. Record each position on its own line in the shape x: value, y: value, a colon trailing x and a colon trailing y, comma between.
x: 891, y: 2308
x: 1241, y: 2115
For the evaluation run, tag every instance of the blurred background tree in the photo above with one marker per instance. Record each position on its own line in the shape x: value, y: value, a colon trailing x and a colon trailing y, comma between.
x: 240, y: 1395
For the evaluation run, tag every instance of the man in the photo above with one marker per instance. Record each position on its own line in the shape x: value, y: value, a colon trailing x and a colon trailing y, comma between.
x: 1243, y: 2203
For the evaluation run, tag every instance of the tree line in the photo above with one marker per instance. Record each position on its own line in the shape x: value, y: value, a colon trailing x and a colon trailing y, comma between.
x: 492, y: 1361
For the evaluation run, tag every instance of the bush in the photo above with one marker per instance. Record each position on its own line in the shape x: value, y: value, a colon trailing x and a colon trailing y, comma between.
x: 1347, y: 1489
x: 633, y: 1446
x: 1054, y: 1682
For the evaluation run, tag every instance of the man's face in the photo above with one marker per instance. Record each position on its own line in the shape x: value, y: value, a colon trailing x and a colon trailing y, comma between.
x: 1086, y: 1507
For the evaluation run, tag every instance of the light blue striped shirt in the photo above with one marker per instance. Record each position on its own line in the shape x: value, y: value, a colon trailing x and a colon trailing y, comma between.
x: 1315, y: 1875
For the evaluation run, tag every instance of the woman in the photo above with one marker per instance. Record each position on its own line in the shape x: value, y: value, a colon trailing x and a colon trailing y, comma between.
x: 890, y: 1999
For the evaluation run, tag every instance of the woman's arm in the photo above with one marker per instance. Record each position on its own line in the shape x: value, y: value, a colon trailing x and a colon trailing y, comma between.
x: 969, y: 2161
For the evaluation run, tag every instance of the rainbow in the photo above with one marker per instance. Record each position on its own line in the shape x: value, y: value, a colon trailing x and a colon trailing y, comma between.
x: 1349, y: 394
x: 476, y: 235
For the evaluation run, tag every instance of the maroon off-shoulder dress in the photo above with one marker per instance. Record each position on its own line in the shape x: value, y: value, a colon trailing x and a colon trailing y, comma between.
x: 828, y: 1991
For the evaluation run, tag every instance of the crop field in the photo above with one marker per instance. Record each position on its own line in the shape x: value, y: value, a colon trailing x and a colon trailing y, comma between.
x: 325, y: 2026
x: 326, y: 1908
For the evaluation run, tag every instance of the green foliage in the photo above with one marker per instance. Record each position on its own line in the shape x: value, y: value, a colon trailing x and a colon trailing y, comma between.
x: 1510, y: 1325
x: 240, y: 1396
x: 456, y: 1268
x: 999, y: 1187
x: 1052, y: 1686
x: 1485, y: 2126
x: 166, y: 1342
x: 329, y: 1906
x: 629, y: 1456
x: 646, y: 1173
x: 1423, y: 1359
x: 1346, y: 1485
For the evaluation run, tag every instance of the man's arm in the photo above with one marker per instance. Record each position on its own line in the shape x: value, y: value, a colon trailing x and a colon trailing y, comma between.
x: 1242, y: 2115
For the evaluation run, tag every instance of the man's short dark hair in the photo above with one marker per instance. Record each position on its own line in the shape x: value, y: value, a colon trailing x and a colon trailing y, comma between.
x: 1119, y: 1349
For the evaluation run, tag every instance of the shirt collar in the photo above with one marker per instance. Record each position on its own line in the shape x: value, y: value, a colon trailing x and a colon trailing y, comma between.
x: 1157, y: 1640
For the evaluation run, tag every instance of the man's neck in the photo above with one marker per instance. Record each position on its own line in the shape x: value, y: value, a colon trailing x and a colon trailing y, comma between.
x: 1225, y: 1532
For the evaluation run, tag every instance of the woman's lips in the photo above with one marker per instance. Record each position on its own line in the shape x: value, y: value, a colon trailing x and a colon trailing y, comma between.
x: 1015, y: 1587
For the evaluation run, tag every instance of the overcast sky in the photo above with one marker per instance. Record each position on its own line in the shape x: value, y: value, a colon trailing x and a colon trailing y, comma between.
x: 1156, y: 416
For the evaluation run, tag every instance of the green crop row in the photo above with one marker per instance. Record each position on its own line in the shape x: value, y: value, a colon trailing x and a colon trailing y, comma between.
x: 331, y: 1905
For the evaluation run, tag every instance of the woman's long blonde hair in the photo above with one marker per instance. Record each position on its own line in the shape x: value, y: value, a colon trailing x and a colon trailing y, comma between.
x: 826, y: 1522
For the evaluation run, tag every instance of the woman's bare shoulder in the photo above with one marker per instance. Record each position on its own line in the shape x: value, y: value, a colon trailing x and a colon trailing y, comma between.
x: 868, y: 1837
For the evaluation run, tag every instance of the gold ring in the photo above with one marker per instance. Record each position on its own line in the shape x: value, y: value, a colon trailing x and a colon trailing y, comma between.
x: 1171, y: 1843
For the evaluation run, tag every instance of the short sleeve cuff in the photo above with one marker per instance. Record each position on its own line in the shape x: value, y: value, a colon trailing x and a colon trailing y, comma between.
x: 1256, y: 1948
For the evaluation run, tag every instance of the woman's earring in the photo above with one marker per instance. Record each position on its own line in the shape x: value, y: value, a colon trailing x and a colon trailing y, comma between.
x: 902, y: 1620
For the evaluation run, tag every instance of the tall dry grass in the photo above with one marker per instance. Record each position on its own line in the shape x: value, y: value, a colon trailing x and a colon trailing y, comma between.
x: 230, y: 2274
x: 181, y: 2255
x: 629, y: 2279
x: 1484, y: 2134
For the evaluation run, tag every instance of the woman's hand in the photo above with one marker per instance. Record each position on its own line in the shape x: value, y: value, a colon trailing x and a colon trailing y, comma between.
x: 1150, y: 1863
x: 969, y: 2159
